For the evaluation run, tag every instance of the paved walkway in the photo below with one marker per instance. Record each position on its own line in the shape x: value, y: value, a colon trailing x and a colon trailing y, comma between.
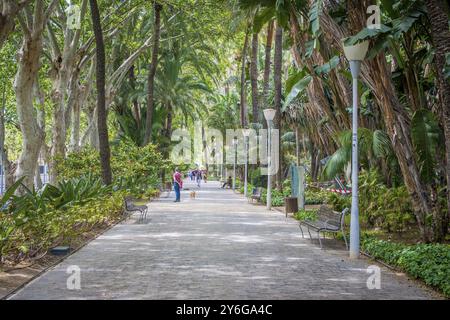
x: 214, y: 247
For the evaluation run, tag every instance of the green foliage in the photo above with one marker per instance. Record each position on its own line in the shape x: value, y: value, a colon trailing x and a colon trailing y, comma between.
x: 277, y: 197
x: 429, y: 262
x: 372, y: 145
x: 338, y: 202
x: 26, y: 233
x: 425, y: 133
x: 301, y: 85
x: 315, y: 196
x: 302, y: 215
x: 134, y: 168
x: 10, y: 192
x: 386, y: 208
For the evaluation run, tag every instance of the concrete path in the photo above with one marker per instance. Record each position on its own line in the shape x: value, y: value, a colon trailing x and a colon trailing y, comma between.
x: 214, y: 247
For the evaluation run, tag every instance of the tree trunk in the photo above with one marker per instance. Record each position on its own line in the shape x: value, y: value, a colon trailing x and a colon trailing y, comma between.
x: 75, y: 135
x: 4, y: 162
x: 136, y: 111
x: 243, y: 104
x: 27, y: 71
x: 152, y: 73
x: 105, y: 153
x: 267, y: 65
x: 278, y: 63
x: 65, y: 74
x: 254, y: 78
x: 377, y: 74
x: 437, y: 13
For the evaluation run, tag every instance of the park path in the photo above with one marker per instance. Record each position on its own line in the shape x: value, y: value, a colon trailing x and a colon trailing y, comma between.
x: 214, y: 247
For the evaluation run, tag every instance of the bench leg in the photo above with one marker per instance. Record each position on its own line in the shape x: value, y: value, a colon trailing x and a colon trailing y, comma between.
x: 300, y: 226
x: 345, y: 239
x: 310, y: 237
x: 320, y: 241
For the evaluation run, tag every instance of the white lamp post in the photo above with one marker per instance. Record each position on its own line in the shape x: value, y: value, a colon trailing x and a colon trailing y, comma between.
x: 269, y: 114
x: 246, y: 133
x: 355, y: 55
x: 235, y: 143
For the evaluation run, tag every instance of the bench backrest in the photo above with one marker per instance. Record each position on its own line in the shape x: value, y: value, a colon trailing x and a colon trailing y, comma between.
x: 256, y: 191
x: 128, y: 202
x: 331, y: 217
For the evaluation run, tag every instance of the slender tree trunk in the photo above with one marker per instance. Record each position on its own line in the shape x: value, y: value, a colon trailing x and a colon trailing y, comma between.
x: 267, y: 65
x: 438, y: 16
x: 278, y: 64
x: 243, y: 104
x: 4, y: 162
x: 254, y: 77
x: 27, y: 71
x: 152, y: 73
x: 105, y: 152
x: 90, y: 136
x: 75, y: 135
x: 135, y: 103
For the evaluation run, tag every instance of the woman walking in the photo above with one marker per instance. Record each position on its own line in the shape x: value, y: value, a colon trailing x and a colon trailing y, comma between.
x: 177, y: 185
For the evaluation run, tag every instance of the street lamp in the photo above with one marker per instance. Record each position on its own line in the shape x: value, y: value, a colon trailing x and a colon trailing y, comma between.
x: 269, y: 114
x: 355, y: 55
x: 246, y: 134
x: 235, y: 143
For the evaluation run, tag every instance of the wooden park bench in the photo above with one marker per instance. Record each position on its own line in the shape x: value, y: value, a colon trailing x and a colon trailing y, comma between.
x: 327, y: 221
x: 131, y: 207
x: 256, y: 195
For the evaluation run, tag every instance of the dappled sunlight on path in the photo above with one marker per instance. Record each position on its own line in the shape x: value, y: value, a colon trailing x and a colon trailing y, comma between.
x: 216, y: 246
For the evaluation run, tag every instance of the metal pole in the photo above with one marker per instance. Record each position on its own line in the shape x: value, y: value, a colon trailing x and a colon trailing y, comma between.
x: 355, y: 67
x: 234, y: 167
x: 246, y: 166
x: 269, y: 167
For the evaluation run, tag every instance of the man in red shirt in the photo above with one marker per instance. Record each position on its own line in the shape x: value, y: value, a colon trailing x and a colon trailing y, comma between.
x: 177, y: 184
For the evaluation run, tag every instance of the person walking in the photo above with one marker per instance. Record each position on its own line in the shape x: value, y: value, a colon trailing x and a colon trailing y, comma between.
x: 228, y: 183
x: 177, y: 184
x: 198, y: 177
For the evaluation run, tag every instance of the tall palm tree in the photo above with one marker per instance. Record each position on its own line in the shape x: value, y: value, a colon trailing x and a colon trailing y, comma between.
x: 278, y: 61
x: 152, y: 72
x: 267, y: 63
x: 438, y: 15
x: 254, y: 76
x: 105, y: 152
x: 243, y: 103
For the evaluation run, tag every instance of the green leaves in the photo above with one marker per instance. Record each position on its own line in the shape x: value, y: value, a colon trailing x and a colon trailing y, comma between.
x: 429, y: 262
x: 327, y: 67
x: 372, y: 144
x: 366, y: 34
x: 425, y: 134
x: 295, y: 85
x: 261, y: 18
x: 10, y: 192
x: 314, y: 17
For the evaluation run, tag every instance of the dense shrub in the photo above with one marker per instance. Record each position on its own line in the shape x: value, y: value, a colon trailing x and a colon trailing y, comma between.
x: 315, y: 196
x: 303, y: 215
x: 429, y: 262
x: 25, y: 233
x: 135, y: 169
x: 277, y: 197
x: 383, y: 207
